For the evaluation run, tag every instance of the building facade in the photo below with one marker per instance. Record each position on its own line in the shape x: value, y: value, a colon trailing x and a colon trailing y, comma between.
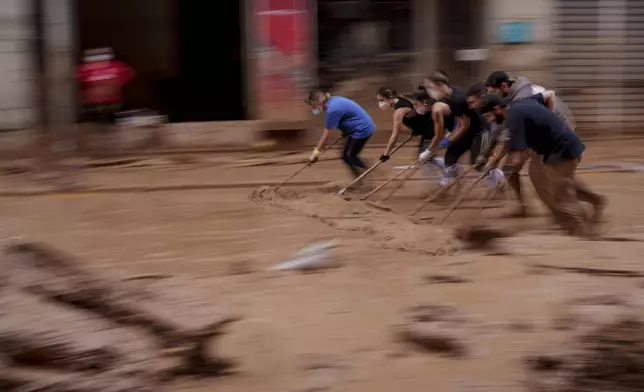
x: 591, y: 51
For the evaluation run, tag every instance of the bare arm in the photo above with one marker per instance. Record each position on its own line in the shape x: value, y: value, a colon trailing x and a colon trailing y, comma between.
x: 323, y: 139
x: 463, y: 125
x: 514, y: 160
x: 399, y: 114
x: 549, y: 99
x: 439, y: 110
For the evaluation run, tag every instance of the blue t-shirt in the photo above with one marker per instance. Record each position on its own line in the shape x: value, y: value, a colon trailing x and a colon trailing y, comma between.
x: 533, y: 126
x: 349, y: 117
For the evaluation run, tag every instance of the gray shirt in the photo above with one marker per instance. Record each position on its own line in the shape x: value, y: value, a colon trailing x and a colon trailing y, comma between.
x: 523, y: 88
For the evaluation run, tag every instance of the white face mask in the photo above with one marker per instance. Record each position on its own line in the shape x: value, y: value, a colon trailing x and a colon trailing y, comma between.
x: 317, y: 111
x: 384, y: 105
x: 436, y: 95
x: 421, y: 110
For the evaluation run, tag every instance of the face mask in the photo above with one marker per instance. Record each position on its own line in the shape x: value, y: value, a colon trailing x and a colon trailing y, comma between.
x: 317, y: 111
x: 421, y: 110
x: 384, y: 105
x: 437, y: 96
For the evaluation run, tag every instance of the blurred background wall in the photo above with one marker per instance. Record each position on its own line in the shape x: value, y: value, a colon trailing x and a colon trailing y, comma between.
x: 206, y: 61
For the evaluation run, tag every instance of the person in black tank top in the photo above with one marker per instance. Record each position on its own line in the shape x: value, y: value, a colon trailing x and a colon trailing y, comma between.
x: 408, y: 115
x: 451, y: 109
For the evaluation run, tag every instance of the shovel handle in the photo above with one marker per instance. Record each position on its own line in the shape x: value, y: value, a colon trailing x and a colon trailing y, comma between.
x: 401, y: 183
x: 460, y: 199
x: 372, y: 168
x: 441, y: 190
x: 307, y: 164
x: 390, y: 180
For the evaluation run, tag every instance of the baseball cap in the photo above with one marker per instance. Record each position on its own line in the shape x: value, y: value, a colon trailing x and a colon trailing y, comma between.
x: 490, y: 101
x: 497, y: 78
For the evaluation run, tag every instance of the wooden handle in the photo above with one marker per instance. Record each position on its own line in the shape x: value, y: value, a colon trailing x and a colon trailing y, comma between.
x: 372, y: 168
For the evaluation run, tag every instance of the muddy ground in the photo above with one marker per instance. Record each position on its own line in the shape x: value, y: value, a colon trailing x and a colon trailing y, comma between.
x: 405, y: 306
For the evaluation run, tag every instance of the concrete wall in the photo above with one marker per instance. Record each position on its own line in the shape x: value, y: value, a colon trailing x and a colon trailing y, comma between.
x: 16, y: 107
x: 59, y: 41
x: 529, y: 60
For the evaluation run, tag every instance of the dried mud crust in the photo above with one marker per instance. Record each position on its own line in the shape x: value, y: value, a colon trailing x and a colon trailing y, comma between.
x: 388, y: 229
x: 66, y: 328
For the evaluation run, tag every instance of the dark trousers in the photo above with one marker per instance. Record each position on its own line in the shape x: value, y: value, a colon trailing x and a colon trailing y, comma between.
x: 352, y: 149
x: 103, y: 114
x: 468, y: 142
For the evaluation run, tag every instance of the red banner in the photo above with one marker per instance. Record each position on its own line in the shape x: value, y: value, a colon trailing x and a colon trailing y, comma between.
x: 283, y: 48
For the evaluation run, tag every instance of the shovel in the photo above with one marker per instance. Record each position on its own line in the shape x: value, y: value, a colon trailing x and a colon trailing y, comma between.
x: 307, y: 165
x: 390, y: 180
x: 372, y: 168
x: 401, y: 183
x: 440, y: 191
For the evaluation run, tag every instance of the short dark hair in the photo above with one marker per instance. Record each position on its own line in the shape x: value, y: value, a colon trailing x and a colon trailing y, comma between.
x: 439, y: 77
x: 490, y: 101
x: 420, y: 95
x: 316, y: 97
x: 497, y: 78
x: 387, y: 92
x: 476, y: 90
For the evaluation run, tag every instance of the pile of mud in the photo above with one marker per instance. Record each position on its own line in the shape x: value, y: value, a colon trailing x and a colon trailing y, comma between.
x: 388, y: 229
x: 608, y: 358
x: 67, y: 329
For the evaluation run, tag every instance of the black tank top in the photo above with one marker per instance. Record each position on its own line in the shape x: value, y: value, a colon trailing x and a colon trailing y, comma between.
x: 420, y: 124
x: 458, y: 106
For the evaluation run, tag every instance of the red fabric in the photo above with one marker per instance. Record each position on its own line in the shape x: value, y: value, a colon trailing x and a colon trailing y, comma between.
x: 287, y: 22
x: 103, y: 83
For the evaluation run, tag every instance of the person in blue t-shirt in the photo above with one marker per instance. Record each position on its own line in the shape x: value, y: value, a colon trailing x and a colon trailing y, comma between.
x: 351, y: 119
x: 533, y: 126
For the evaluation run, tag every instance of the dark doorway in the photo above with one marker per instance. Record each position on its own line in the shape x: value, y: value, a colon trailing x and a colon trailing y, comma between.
x: 187, y: 53
x: 210, y: 52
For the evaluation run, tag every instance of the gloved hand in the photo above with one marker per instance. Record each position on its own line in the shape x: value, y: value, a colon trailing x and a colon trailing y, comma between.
x: 425, y: 156
x: 495, y: 178
x: 315, y: 155
x: 444, y: 143
x: 384, y: 158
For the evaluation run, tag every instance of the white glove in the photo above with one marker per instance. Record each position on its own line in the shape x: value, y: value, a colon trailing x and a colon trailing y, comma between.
x: 425, y: 156
x: 495, y: 178
x: 315, y: 155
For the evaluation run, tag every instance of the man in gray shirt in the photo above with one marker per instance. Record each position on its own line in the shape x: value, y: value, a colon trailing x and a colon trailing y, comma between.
x: 500, y: 83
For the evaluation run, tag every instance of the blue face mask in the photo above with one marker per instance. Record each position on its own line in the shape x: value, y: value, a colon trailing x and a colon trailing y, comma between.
x: 317, y: 111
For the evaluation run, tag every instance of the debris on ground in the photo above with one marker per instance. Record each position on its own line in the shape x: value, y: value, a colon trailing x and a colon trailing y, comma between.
x: 436, y: 329
x: 588, y: 271
x: 93, y: 333
x: 315, y: 257
x: 478, y: 237
x: 608, y: 358
x: 445, y: 279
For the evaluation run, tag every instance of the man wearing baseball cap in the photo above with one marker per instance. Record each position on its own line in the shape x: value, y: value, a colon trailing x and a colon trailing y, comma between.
x: 532, y: 126
x: 500, y: 83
